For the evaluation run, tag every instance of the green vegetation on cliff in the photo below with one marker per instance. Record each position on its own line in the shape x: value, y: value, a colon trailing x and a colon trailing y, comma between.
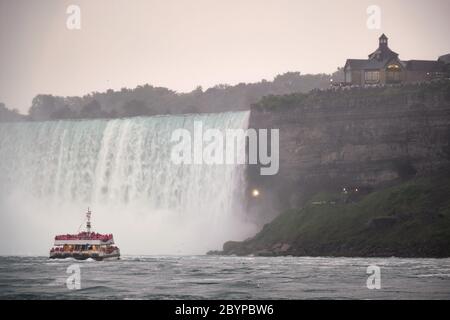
x: 147, y: 100
x: 358, y: 96
x: 411, y: 219
x: 7, y: 115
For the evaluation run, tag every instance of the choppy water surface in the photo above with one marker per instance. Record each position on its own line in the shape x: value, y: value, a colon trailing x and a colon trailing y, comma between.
x: 208, y: 277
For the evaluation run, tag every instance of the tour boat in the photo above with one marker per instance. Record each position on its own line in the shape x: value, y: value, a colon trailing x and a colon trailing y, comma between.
x: 85, y: 245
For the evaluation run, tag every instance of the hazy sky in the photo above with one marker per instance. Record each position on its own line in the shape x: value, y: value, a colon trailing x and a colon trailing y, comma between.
x: 182, y: 44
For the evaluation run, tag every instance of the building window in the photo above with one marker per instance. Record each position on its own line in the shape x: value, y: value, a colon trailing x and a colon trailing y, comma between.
x: 393, y: 67
x: 348, y: 77
x: 393, y: 73
x: 372, y: 76
x: 393, y: 76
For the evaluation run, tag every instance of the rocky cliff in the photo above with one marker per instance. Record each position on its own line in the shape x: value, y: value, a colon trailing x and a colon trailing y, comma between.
x: 363, y: 172
x: 356, y: 139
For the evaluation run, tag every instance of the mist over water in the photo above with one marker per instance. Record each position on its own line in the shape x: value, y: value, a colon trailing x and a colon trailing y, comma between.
x: 50, y: 172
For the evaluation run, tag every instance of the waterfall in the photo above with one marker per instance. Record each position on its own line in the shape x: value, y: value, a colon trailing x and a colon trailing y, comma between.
x: 50, y: 172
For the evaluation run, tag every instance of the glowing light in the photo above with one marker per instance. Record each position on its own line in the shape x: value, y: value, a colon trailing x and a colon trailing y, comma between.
x: 255, y: 193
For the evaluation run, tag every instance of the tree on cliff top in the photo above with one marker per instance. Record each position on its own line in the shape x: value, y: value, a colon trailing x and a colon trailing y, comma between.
x: 148, y: 100
x: 135, y: 108
x: 7, y: 115
x: 92, y: 110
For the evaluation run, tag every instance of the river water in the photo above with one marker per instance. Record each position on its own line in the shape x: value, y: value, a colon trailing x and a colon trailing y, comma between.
x: 211, y: 277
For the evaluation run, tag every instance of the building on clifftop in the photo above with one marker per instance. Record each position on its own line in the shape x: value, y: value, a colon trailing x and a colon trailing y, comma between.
x: 384, y: 67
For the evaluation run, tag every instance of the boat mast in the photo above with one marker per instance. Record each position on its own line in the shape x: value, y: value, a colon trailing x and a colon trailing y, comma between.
x: 88, y: 222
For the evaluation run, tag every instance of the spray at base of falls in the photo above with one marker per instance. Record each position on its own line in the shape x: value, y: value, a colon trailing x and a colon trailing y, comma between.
x: 50, y: 172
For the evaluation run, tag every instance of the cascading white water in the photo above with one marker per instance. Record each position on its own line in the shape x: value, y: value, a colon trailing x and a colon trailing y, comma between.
x: 50, y: 172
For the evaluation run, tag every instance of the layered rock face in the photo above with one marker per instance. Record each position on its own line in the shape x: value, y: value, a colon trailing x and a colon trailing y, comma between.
x: 360, y: 139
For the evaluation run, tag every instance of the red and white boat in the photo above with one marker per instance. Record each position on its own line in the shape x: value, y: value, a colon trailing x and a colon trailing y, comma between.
x: 85, y: 245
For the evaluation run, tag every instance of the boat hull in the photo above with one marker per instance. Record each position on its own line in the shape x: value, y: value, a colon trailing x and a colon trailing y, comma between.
x: 85, y: 256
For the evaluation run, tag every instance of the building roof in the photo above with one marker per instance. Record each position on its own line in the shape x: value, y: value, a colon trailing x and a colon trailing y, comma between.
x: 383, y: 52
x: 445, y: 58
x: 424, y: 65
x: 361, y: 64
x: 368, y: 64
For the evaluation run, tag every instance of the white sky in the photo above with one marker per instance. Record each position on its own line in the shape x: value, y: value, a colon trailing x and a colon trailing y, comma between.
x: 182, y: 44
